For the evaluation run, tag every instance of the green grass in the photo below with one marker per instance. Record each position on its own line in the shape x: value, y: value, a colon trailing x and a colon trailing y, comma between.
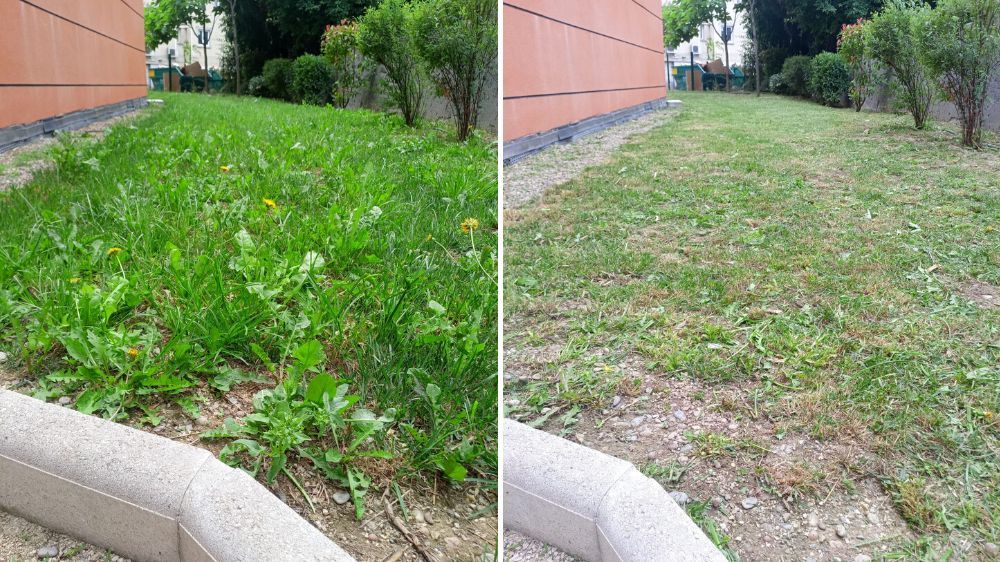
x: 822, y: 259
x: 151, y: 269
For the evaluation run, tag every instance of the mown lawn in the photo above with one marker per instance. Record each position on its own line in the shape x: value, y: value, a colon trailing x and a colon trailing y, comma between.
x: 839, y: 266
x: 221, y: 245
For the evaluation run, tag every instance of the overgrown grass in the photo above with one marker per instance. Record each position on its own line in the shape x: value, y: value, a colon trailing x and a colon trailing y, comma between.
x: 223, y: 240
x: 827, y: 261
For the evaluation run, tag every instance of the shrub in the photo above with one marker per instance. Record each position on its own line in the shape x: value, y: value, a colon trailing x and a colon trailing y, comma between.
x: 458, y: 40
x: 776, y: 84
x: 385, y: 35
x: 865, y: 71
x: 795, y: 75
x: 256, y: 86
x: 340, y: 47
x: 890, y: 40
x: 312, y: 80
x: 277, y: 74
x: 829, y: 79
x: 959, y: 41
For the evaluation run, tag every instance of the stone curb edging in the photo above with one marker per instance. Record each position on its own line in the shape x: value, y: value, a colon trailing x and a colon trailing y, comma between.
x: 16, y: 135
x: 141, y: 495
x: 591, y: 505
x: 520, y: 147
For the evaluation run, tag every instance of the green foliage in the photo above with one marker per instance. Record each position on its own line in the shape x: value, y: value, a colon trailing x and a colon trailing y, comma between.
x: 795, y: 75
x: 959, y: 42
x: 829, y: 79
x: 309, y: 415
x: 257, y: 86
x: 278, y: 76
x: 206, y: 244
x: 682, y: 19
x: 458, y: 41
x: 864, y: 70
x: 776, y: 84
x: 386, y: 36
x: 312, y: 80
x: 163, y: 19
x: 340, y: 47
x: 890, y: 39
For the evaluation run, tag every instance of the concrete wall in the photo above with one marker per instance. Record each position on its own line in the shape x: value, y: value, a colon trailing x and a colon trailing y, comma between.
x: 61, y: 56
x: 566, y: 60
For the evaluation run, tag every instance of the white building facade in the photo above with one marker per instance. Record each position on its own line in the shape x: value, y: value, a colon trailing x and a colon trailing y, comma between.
x: 707, y: 45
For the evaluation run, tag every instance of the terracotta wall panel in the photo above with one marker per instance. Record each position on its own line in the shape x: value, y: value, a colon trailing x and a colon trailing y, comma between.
x: 625, y: 19
x: 49, y: 65
x: 566, y: 60
x: 36, y: 103
x: 114, y: 18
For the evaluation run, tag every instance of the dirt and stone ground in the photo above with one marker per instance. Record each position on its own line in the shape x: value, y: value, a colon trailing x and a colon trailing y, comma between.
x: 623, y: 357
x: 521, y: 548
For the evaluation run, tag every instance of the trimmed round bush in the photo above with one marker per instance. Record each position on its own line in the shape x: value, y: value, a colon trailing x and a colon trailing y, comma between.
x: 829, y: 79
x: 312, y: 80
x: 795, y: 74
x: 776, y: 84
x: 277, y: 74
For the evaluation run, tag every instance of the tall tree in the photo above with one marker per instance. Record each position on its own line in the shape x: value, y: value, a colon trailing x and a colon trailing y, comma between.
x: 164, y: 19
x: 682, y: 18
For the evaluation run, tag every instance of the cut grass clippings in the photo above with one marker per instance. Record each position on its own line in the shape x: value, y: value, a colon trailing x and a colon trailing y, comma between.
x: 822, y: 258
x: 338, y: 260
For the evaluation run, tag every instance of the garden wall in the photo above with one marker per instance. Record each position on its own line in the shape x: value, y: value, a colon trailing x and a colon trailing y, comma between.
x: 58, y: 57
x: 945, y: 111
x: 570, y: 60
x: 372, y: 96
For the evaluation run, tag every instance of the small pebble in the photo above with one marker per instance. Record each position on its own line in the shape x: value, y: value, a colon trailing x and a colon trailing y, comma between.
x: 679, y: 497
x: 64, y: 400
x: 841, y: 531
x: 749, y: 503
x: 862, y: 558
x: 813, y: 520
x: 616, y: 401
x: 341, y: 497
x: 50, y: 551
x: 3, y: 357
x: 991, y: 548
x: 418, y: 516
x: 680, y: 415
x: 429, y: 517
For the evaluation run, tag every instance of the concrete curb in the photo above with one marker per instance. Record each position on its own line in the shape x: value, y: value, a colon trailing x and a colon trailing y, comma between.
x: 520, y: 147
x: 143, y: 496
x: 16, y: 135
x: 591, y: 505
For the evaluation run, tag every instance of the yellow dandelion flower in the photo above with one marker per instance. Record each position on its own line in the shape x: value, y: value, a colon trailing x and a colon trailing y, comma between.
x: 469, y: 225
x: 113, y: 251
x: 270, y: 203
x: 133, y: 352
x: 74, y: 280
x: 429, y: 238
x: 988, y: 415
x: 225, y: 168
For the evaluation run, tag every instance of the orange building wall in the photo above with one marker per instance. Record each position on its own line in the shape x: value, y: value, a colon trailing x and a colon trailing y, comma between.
x: 566, y: 60
x: 60, y: 56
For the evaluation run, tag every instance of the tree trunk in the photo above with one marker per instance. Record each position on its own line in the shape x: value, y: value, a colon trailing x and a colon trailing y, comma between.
x: 236, y: 44
x: 204, y: 48
x: 725, y: 46
x: 756, y: 46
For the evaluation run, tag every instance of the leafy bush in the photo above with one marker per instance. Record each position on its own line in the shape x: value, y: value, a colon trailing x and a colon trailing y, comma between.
x: 795, y: 75
x: 385, y: 35
x: 277, y: 74
x: 864, y: 70
x: 340, y: 47
x: 256, y: 86
x: 312, y: 80
x: 959, y: 42
x: 458, y: 40
x: 829, y: 79
x: 890, y: 40
x: 776, y: 84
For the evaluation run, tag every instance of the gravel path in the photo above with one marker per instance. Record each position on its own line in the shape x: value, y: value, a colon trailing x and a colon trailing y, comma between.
x: 21, y: 540
x: 526, y: 179
x: 522, y: 548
